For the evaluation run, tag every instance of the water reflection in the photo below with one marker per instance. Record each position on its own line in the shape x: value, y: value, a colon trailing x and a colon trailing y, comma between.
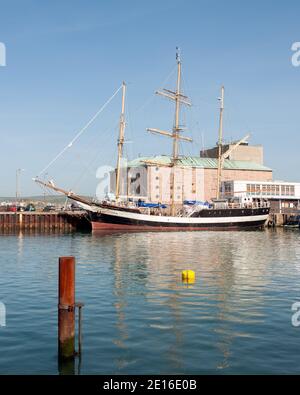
x: 20, y: 245
x: 232, y: 275
x: 140, y: 317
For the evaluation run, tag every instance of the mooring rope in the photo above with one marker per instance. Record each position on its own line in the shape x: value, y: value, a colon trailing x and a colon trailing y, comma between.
x: 80, y: 132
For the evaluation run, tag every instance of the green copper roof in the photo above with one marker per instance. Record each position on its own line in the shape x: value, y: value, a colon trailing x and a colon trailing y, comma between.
x: 202, y: 163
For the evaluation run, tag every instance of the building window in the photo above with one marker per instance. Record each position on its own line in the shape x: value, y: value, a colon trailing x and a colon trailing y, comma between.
x: 273, y: 190
x: 157, y: 178
x: 157, y: 168
x: 269, y: 189
x: 228, y: 188
x: 157, y: 187
x: 258, y: 189
x: 287, y: 190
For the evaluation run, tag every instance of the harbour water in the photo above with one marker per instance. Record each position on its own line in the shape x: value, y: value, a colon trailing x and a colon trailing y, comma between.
x: 139, y: 318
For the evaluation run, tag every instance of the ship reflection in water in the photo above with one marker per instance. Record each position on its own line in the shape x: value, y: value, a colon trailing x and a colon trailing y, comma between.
x: 234, y: 276
x: 140, y: 318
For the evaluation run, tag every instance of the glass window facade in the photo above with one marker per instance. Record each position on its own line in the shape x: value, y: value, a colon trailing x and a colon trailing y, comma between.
x: 270, y: 189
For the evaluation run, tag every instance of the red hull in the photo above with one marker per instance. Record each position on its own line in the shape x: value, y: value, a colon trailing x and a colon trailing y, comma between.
x: 99, y: 226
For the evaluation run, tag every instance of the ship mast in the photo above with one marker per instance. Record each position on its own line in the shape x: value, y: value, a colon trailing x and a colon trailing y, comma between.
x: 120, y: 142
x: 176, y: 128
x: 179, y: 99
x: 223, y: 155
x: 220, y: 142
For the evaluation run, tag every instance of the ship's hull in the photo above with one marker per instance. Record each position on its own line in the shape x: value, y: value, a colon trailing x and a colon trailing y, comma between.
x: 225, y: 219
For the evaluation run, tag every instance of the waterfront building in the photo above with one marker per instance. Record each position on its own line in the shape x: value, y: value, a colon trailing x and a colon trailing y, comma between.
x: 284, y: 197
x: 244, y: 152
x: 244, y: 175
x: 195, y: 177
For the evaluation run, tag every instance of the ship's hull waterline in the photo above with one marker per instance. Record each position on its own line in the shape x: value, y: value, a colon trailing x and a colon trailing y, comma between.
x: 225, y: 219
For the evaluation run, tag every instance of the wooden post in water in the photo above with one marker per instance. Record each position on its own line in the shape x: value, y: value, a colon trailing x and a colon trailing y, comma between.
x: 66, y: 307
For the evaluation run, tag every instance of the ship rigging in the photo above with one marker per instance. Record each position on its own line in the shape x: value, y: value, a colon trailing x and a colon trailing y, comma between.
x: 219, y: 215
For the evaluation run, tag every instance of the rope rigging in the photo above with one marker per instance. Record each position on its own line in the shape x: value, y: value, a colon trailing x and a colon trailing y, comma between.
x: 81, y: 131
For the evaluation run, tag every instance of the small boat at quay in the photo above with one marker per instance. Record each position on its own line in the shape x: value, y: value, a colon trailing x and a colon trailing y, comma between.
x: 293, y: 222
x: 220, y: 214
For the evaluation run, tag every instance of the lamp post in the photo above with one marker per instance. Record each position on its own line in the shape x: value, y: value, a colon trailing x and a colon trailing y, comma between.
x: 18, y: 173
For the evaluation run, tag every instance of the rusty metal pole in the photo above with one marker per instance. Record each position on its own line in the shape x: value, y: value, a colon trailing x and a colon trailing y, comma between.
x: 66, y: 307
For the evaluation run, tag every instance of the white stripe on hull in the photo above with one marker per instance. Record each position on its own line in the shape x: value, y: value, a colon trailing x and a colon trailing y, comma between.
x: 183, y: 220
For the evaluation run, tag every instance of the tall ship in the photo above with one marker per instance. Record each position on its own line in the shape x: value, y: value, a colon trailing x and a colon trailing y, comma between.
x: 219, y: 214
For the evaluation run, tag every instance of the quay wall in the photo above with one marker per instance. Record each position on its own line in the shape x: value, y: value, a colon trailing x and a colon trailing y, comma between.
x: 72, y: 221
x: 44, y: 221
x: 280, y: 219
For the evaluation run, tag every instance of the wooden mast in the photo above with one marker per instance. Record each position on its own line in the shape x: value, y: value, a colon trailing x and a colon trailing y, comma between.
x: 176, y: 128
x: 179, y: 99
x: 223, y: 155
x: 120, y: 141
x: 220, y: 142
x: 176, y: 131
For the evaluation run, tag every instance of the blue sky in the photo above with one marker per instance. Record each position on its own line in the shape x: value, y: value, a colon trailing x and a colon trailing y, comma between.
x: 66, y: 58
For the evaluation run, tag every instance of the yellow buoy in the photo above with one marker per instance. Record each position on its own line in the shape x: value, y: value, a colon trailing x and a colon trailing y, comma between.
x: 188, y: 276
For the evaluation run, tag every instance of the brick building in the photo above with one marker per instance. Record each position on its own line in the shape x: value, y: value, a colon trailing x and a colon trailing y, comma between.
x: 195, y: 177
x: 245, y: 152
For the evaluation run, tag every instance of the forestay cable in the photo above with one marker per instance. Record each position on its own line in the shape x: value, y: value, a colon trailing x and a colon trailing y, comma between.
x: 81, y: 131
